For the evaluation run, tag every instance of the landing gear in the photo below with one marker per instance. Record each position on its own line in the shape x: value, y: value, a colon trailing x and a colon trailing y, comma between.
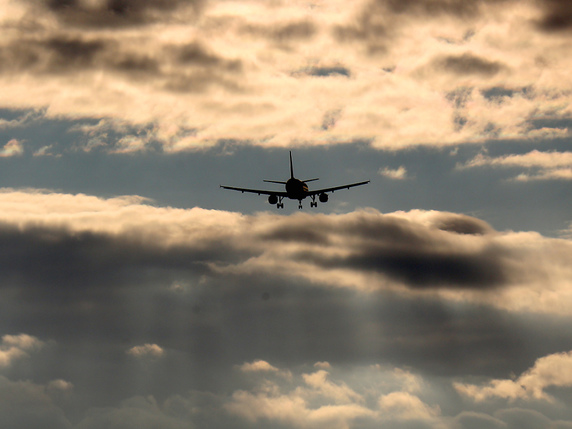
x: 313, y: 203
x: 280, y: 204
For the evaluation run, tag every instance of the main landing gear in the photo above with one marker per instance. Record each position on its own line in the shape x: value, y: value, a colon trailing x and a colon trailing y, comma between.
x: 313, y: 203
x: 276, y: 199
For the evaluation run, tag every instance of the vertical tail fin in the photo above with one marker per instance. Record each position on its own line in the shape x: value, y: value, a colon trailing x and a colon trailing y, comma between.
x: 291, y: 168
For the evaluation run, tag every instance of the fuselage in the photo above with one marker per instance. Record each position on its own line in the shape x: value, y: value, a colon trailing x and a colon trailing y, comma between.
x: 296, y: 189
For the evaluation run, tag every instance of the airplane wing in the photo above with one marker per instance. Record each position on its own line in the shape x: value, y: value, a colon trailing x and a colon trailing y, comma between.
x: 256, y: 191
x: 336, y: 188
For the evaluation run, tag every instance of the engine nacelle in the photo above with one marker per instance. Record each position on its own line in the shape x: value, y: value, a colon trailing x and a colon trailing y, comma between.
x: 273, y: 199
x: 323, y: 198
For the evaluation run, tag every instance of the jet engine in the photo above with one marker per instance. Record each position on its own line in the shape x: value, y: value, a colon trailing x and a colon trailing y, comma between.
x: 323, y: 198
x: 272, y: 199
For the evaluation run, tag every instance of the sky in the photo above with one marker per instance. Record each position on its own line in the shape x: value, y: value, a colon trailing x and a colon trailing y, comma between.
x: 136, y: 293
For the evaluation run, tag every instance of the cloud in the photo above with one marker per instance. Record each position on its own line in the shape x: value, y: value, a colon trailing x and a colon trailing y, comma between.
x: 396, y: 174
x: 322, y: 365
x: 26, y: 404
x: 405, y: 406
x: 145, y: 62
x: 339, y: 393
x: 112, y: 14
x: 550, y: 371
x: 15, y: 347
x: 136, y: 412
x: 557, y: 16
x: 467, y: 64
x: 294, y: 408
x: 87, y: 241
x: 12, y: 148
x: 258, y: 365
x: 472, y: 420
x: 146, y: 350
x: 281, y: 32
x: 545, y: 165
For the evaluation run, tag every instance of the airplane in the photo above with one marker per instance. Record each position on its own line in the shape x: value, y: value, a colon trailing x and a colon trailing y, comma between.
x: 295, y: 190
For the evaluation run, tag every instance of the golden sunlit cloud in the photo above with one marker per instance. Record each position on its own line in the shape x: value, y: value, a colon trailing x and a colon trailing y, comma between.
x: 285, y: 74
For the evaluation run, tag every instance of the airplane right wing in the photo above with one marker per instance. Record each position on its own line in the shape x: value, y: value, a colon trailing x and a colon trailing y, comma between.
x: 336, y: 188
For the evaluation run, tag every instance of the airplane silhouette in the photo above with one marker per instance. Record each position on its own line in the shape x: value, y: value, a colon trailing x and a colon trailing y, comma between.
x: 295, y: 190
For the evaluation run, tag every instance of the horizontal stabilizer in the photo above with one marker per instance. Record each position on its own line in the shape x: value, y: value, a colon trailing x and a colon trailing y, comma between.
x: 274, y: 181
x: 310, y: 180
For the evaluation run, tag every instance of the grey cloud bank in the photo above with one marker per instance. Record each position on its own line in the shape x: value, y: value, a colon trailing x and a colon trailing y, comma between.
x: 207, y: 317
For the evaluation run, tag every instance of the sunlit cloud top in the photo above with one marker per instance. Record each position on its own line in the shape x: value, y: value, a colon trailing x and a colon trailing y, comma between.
x: 394, y: 74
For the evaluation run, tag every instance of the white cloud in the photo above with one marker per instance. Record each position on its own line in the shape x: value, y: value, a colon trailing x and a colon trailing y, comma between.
x: 339, y: 393
x: 14, y: 347
x: 397, y: 174
x: 258, y: 366
x: 294, y: 408
x: 60, y: 385
x: 146, y: 351
x: 534, y: 158
x: 550, y: 371
x: 12, y: 148
x: 319, y: 401
x: 405, y: 406
x: 411, y: 382
x: 544, y: 165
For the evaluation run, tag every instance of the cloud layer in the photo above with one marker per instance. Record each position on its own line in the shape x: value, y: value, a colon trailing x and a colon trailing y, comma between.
x: 396, y: 75
x: 85, y: 240
x: 128, y: 314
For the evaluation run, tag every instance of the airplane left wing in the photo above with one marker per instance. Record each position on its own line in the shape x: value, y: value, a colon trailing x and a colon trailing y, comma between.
x: 256, y: 191
x: 336, y: 188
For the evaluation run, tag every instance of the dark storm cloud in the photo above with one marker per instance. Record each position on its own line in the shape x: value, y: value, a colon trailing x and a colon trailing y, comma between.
x: 459, y: 8
x: 377, y: 22
x: 114, y: 13
x: 557, y: 15
x: 419, y: 257
x: 195, y: 69
x: 370, y: 27
x: 59, y: 54
x: 282, y: 33
x: 418, y: 268
x: 196, y: 54
x: 58, y: 260
x: 71, y: 54
x: 464, y: 225
x: 467, y: 64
